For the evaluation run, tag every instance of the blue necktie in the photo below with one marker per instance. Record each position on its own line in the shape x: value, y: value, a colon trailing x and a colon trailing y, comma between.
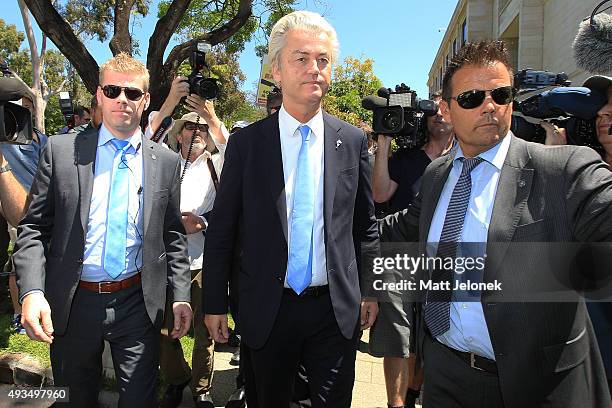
x: 299, y: 265
x: 437, y: 307
x: 117, y: 213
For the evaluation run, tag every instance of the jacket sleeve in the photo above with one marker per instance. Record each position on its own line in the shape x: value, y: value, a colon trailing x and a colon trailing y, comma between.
x: 175, y: 242
x: 34, y: 230
x: 222, y: 233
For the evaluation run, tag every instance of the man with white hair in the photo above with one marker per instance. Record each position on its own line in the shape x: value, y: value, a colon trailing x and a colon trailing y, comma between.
x: 296, y: 184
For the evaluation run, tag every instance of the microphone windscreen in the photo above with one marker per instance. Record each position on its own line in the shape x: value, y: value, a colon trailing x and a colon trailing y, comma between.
x: 383, y: 92
x: 593, y: 45
x: 373, y: 102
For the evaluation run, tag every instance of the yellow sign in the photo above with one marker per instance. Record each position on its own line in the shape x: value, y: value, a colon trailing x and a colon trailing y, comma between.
x: 266, y: 81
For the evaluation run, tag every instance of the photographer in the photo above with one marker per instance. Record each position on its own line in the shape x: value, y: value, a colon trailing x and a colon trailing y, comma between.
x: 397, y: 179
x: 80, y: 118
x: 23, y: 161
x: 200, y: 139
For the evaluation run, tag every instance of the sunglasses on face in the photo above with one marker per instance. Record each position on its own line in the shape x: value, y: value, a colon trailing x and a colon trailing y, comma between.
x: 113, y: 91
x: 474, y: 98
x: 202, y: 127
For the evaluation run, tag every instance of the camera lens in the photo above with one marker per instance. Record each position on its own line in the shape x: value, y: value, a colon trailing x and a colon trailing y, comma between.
x: 391, y: 120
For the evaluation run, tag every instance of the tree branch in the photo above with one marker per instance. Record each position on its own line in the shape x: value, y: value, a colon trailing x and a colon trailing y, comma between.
x: 180, y: 52
x: 58, y: 30
x: 122, y: 41
x: 165, y: 27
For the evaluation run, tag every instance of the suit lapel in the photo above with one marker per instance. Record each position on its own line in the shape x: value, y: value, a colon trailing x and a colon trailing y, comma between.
x: 511, y: 197
x: 149, y: 166
x: 332, y: 159
x: 428, y: 208
x: 273, y: 164
x: 86, y: 145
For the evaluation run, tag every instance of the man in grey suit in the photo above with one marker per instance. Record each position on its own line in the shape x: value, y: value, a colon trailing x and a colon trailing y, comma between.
x: 515, y: 199
x: 100, y: 241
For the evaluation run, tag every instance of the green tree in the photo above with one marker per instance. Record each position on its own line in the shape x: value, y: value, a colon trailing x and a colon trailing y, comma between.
x: 351, y: 81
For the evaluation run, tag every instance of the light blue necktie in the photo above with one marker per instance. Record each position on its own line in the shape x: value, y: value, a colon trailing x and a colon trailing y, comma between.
x: 117, y: 213
x: 299, y: 266
x: 437, y: 307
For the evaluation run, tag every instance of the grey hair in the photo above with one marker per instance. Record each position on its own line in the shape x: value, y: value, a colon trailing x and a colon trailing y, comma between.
x: 305, y: 20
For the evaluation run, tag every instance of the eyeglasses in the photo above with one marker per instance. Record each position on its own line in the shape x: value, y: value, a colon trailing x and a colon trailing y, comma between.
x: 474, y: 98
x: 202, y: 127
x: 113, y: 91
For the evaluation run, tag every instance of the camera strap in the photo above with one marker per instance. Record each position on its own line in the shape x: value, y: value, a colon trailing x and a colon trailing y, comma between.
x: 213, y: 173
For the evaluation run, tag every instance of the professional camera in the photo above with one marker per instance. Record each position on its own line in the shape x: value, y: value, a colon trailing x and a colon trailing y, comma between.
x: 401, y: 115
x: 545, y: 95
x: 65, y: 103
x: 206, y: 88
x: 15, y: 120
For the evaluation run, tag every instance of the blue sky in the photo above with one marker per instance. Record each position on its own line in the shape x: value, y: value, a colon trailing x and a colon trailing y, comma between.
x: 401, y: 36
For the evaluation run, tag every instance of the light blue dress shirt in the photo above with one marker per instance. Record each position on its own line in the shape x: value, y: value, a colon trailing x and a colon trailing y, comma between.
x: 468, y: 329
x: 93, y: 267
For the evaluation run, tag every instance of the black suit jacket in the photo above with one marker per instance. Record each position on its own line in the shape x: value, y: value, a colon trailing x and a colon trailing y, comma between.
x: 51, y: 237
x: 252, y: 190
x: 546, y: 353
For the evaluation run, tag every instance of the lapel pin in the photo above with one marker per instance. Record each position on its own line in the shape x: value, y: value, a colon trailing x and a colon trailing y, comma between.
x: 153, y: 157
x: 338, y: 143
x: 522, y: 183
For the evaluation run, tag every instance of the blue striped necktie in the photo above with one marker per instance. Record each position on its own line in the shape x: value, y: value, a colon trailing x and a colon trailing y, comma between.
x: 299, y: 263
x: 115, y: 241
x: 437, y: 306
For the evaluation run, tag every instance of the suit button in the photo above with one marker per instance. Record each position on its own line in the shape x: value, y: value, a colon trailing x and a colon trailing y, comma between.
x: 80, y: 260
x: 499, y: 354
x: 278, y: 278
x: 331, y: 271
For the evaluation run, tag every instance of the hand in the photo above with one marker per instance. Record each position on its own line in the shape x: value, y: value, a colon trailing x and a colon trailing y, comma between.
x: 34, y: 310
x: 384, y: 144
x: 192, y: 222
x: 217, y: 327
x: 182, y: 319
x: 369, y: 311
x: 203, y: 107
x: 178, y: 90
x: 554, y: 134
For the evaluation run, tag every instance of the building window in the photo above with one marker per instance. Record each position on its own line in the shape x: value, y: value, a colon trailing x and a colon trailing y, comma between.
x: 446, y: 62
x: 441, y: 77
x: 464, y: 33
x: 454, y: 47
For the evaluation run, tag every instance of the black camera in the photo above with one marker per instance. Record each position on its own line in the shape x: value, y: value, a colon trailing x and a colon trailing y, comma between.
x: 545, y: 95
x: 15, y: 120
x: 205, y: 87
x: 401, y: 115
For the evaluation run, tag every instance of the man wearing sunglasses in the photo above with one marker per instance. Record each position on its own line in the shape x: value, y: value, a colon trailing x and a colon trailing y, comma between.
x: 98, y: 244
x: 519, y: 201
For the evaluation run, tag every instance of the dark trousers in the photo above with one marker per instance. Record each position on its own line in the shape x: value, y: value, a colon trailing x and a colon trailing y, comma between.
x: 306, y: 332
x: 451, y: 383
x: 173, y: 366
x: 122, y: 320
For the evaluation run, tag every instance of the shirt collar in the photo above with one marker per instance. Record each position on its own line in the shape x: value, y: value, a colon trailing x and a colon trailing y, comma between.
x: 105, y: 136
x: 291, y: 124
x: 495, y: 155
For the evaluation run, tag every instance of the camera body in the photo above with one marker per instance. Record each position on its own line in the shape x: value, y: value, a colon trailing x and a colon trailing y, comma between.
x: 200, y: 85
x: 400, y: 114
x: 15, y: 120
x: 549, y: 96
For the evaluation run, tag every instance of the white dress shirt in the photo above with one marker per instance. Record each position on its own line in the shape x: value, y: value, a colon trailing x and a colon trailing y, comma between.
x: 198, y: 195
x: 93, y: 268
x: 291, y: 141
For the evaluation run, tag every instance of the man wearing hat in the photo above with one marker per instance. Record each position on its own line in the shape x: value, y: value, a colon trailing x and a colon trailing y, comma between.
x: 200, y: 140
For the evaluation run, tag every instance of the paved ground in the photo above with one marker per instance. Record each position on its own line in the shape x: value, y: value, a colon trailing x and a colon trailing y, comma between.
x: 368, y: 392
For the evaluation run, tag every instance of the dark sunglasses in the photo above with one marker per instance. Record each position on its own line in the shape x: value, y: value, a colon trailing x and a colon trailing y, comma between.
x: 202, y: 127
x: 113, y: 91
x: 474, y: 98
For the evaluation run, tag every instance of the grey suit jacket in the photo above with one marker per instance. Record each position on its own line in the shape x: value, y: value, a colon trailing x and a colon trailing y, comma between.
x: 51, y: 237
x: 545, y: 351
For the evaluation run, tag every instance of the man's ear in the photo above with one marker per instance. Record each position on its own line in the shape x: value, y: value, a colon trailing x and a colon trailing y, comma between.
x: 147, y: 101
x: 445, y: 111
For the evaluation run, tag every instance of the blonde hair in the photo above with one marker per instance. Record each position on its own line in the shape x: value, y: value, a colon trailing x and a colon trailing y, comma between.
x: 304, y: 20
x: 123, y: 63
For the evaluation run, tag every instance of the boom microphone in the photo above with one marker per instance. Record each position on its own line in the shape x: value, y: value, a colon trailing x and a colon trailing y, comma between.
x: 593, y: 43
x: 373, y: 102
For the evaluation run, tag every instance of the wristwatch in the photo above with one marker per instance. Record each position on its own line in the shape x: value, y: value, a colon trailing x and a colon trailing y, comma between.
x: 6, y: 168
